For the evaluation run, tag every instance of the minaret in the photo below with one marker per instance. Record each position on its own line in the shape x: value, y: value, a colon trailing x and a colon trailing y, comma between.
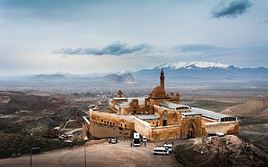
x: 162, y: 79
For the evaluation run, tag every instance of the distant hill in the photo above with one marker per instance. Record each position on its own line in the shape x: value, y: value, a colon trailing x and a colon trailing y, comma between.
x: 117, y: 78
x: 48, y: 76
x: 253, y: 108
x: 178, y: 75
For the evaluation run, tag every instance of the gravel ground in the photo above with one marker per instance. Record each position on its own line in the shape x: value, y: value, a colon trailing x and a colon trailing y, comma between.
x: 98, y: 155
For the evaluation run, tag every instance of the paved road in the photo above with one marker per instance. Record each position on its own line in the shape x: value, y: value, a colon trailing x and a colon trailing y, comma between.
x: 98, y: 155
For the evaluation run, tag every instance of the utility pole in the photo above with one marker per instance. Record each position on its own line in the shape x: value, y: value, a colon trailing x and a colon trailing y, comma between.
x: 31, y: 152
x: 31, y: 158
x: 85, y: 154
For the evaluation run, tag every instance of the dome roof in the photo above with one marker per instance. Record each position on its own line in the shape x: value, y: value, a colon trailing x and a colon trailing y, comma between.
x: 158, y: 91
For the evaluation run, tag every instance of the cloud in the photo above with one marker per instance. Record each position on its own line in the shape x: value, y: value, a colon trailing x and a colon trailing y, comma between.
x: 201, y: 50
x: 114, y: 49
x: 198, y: 48
x: 231, y: 8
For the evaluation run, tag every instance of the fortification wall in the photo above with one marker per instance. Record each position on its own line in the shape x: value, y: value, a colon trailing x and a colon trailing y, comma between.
x: 225, y: 127
x: 102, y: 131
x: 165, y: 133
x: 143, y: 128
x: 123, y: 121
x: 156, y: 133
x: 172, y: 117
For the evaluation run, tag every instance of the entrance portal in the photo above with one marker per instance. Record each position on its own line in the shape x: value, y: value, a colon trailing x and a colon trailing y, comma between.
x: 164, y: 122
x: 165, y: 118
x: 191, y: 131
x: 135, y: 110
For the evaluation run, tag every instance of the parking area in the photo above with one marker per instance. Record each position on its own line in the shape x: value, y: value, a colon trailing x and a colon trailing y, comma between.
x: 101, y: 155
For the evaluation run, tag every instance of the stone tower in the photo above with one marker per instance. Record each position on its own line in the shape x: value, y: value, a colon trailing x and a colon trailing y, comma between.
x: 162, y: 79
x: 119, y: 93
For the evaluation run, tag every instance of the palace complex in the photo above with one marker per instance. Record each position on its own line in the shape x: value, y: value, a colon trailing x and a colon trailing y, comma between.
x: 159, y: 116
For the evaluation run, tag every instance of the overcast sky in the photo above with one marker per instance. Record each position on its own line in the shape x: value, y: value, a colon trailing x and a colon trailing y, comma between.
x: 101, y: 36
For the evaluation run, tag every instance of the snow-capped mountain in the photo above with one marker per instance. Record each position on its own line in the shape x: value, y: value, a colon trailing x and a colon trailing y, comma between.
x: 201, y: 72
x: 195, y: 65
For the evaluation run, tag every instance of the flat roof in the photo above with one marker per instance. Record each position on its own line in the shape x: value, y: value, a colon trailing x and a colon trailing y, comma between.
x: 190, y: 113
x: 209, y: 114
x: 171, y: 105
x: 125, y: 104
x: 120, y: 98
x: 147, y: 117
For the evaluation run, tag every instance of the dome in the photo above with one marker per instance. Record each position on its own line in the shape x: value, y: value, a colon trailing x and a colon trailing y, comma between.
x: 158, y: 92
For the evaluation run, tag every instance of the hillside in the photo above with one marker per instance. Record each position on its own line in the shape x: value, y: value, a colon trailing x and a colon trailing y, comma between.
x: 253, y: 108
x: 253, y: 117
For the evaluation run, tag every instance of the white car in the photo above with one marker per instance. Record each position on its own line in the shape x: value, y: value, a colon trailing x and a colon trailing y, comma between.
x: 144, y: 139
x: 220, y: 134
x: 169, y: 147
x: 113, y: 141
x: 161, y: 151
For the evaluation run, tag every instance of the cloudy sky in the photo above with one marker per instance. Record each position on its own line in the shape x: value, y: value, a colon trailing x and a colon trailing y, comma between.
x: 100, y: 36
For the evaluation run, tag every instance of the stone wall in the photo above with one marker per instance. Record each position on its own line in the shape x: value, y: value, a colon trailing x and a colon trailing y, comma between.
x: 134, y: 106
x: 143, y: 128
x: 192, y: 123
x: 165, y: 133
x: 156, y: 133
x: 172, y: 117
x: 102, y: 131
x: 225, y: 127
x: 123, y: 121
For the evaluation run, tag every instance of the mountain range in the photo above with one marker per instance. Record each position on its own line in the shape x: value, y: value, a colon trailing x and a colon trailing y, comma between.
x: 205, y: 71
x: 208, y: 74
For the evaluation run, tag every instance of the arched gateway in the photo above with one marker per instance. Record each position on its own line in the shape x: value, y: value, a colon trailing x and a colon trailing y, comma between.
x: 191, y: 131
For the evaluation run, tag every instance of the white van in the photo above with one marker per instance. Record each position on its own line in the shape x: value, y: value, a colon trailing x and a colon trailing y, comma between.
x: 169, y: 147
x: 161, y: 151
x: 136, y: 140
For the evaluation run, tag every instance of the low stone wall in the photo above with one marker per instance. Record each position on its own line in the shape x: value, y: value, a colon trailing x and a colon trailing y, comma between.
x: 156, y: 133
x: 165, y: 133
x: 225, y: 127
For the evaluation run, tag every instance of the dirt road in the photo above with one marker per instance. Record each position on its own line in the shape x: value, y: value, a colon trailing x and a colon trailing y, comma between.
x: 98, y: 155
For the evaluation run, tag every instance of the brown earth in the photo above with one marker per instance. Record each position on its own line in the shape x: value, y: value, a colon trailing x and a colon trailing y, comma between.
x: 97, y: 155
x: 253, y: 117
x: 32, y: 116
x: 257, y: 107
x: 220, y: 152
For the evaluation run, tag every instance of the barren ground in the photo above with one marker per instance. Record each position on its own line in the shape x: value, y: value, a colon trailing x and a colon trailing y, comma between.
x: 101, y: 155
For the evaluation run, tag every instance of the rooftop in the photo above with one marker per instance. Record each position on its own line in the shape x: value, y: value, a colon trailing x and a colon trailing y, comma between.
x: 190, y: 114
x: 147, y: 117
x: 125, y: 104
x: 209, y: 114
x: 173, y: 106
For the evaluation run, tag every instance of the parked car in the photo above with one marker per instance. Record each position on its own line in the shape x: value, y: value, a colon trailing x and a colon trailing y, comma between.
x: 220, y: 134
x: 169, y: 147
x: 160, y: 150
x: 144, y: 139
x: 113, y: 141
